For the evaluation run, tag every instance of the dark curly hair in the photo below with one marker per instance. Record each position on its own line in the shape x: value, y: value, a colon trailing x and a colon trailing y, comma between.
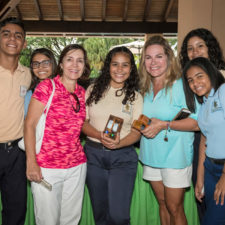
x: 214, y: 50
x: 43, y: 51
x: 68, y: 48
x: 215, y: 77
x: 102, y: 83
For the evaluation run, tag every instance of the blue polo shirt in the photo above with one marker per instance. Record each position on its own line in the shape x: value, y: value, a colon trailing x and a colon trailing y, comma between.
x: 211, y: 120
x: 178, y: 151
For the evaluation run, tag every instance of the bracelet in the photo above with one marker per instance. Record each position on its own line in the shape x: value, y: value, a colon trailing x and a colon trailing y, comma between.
x: 167, y: 129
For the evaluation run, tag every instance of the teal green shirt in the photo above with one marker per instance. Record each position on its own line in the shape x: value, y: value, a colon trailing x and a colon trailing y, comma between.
x: 178, y: 151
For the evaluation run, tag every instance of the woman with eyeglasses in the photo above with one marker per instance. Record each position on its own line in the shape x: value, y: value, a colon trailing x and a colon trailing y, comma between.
x: 61, y: 161
x: 112, y: 162
x: 42, y: 65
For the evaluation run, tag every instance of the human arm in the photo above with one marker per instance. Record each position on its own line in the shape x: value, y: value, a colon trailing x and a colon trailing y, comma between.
x: 35, y: 110
x: 200, y: 171
x: 110, y: 143
x: 219, y: 192
x: 157, y: 125
x: 90, y: 131
x: 128, y: 140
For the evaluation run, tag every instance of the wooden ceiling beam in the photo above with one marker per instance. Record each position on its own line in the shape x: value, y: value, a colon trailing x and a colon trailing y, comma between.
x: 99, y: 27
x: 147, y: 9
x: 126, y: 2
x: 82, y: 12
x: 6, y: 6
x: 19, y: 15
x: 168, y: 9
x: 104, y: 4
x: 38, y: 8
x: 59, y: 3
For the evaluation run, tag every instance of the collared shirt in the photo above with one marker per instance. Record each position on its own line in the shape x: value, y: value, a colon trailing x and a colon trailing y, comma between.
x: 178, y: 151
x: 13, y: 88
x: 211, y: 120
x: 61, y: 147
x: 111, y: 104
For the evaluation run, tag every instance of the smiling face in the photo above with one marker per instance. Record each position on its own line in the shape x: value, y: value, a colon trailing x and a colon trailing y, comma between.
x: 41, y: 66
x: 196, y: 47
x: 156, y: 61
x: 12, y: 40
x: 73, y: 64
x: 120, y: 68
x: 199, y: 81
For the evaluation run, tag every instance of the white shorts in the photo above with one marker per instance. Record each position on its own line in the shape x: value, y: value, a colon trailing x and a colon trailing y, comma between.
x: 173, y: 178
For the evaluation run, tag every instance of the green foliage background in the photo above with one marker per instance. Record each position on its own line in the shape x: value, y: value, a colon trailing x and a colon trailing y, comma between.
x: 96, y: 48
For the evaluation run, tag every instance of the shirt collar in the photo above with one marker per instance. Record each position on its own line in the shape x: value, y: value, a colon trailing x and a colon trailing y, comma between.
x: 20, y: 68
x: 62, y: 87
x: 211, y: 93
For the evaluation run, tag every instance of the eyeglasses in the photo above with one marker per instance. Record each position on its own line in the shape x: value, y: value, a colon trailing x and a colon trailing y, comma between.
x: 44, y: 64
x: 77, y: 108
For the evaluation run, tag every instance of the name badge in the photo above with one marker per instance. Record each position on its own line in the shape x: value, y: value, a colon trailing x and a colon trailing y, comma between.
x: 127, y: 108
x: 23, y: 91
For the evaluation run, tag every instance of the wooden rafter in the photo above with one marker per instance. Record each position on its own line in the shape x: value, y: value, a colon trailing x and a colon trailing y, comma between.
x: 19, y: 15
x: 147, y: 8
x: 125, y: 10
x: 99, y: 27
x: 59, y: 3
x: 168, y: 9
x: 38, y: 8
x: 6, y: 6
x: 104, y: 3
x: 82, y: 13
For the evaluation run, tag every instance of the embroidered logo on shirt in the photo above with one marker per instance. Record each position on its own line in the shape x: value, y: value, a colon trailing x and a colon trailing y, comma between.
x: 216, y: 106
x: 127, y: 108
x: 23, y: 91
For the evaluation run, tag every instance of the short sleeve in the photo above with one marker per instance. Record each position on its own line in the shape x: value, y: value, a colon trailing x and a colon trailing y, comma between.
x: 221, y: 96
x: 87, y: 94
x: 180, y: 99
x: 43, y: 91
x: 138, y: 106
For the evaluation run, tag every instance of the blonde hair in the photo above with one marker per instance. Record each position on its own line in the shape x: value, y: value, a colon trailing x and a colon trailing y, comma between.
x: 173, y: 70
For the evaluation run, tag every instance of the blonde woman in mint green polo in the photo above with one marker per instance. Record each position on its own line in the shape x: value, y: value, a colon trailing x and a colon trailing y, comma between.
x: 166, y: 145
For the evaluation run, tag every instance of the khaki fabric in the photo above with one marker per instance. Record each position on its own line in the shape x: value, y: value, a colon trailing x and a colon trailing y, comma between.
x: 223, y: 72
x: 98, y: 114
x: 13, y: 89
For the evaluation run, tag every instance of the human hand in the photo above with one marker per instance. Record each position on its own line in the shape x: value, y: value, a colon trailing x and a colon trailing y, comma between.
x: 109, y: 142
x: 219, y: 192
x: 199, y: 190
x: 154, y: 128
x: 34, y: 172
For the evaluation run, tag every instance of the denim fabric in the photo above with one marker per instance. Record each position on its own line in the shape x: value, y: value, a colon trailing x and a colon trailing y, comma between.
x: 110, y: 180
x: 215, y: 214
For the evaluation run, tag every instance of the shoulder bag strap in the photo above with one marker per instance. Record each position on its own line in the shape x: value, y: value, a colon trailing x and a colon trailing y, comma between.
x: 50, y: 98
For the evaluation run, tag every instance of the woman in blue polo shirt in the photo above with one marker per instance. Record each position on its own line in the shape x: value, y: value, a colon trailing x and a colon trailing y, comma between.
x: 203, y: 80
x: 166, y: 145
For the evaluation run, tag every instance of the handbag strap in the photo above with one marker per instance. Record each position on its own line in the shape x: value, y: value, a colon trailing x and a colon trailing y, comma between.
x: 50, y: 98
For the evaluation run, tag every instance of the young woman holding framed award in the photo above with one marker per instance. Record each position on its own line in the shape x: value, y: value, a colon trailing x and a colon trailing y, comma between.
x: 112, y: 103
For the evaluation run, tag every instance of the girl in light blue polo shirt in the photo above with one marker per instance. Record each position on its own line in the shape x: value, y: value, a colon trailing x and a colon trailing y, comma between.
x: 166, y: 145
x: 203, y: 80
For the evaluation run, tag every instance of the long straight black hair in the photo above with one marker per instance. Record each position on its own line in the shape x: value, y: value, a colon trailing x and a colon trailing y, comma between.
x: 215, y: 76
